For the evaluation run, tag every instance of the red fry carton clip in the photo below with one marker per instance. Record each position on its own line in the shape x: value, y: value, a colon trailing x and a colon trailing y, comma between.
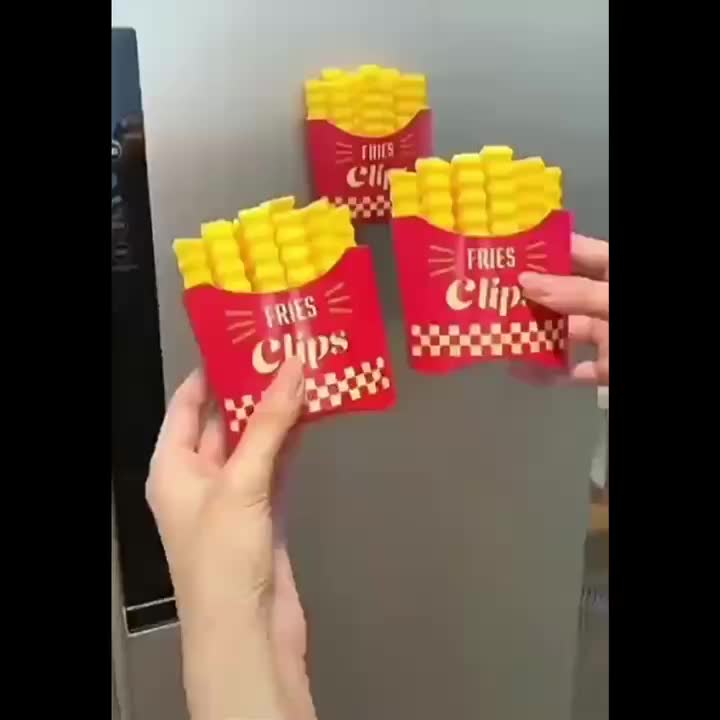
x: 360, y: 125
x: 277, y: 283
x: 463, y: 231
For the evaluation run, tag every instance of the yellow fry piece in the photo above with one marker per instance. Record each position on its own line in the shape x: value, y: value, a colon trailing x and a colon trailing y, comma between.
x: 268, y: 273
x: 259, y: 232
x: 318, y: 225
x: 289, y: 235
x: 321, y: 205
x: 341, y: 217
x: 404, y: 193
x: 346, y: 238
x: 254, y: 215
x: 402, y: 120
x: 495, y: 153
x: 196, y: 276
x: 341, y: 115
x: 287, y: 217
x: 299, y: 275
x: 222, y: 250
x: 282, y: 204
x: 262, y: 252
x: 315, y: 86
x: 216, y: 228
x: 369, y: 71
x: 237, y: 284
x: 380, y: 115
x: 467, y: 171
x: 473, y: 229
x: 504, y: 227
x: 230, y: 275
x: 378, y: 129
x: 529, y: 166
x: 433, y: 175
x: 268, y: 285
x: 295, y: 254
x: 185, y: 246
x: 431, y: 164
x: 444, y: 220
x: 192, y: 262
x: 324, y: 261
x: 409, y: 108
x: 554, y: 173
x: 332, y: 73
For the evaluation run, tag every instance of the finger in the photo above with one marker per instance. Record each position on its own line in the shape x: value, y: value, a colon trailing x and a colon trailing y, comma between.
x: 581, y: 329
x: 182, y: 424
x: 592, y: 372
x: 590, y: 257
x: 568, y: 295
x: 212, y: 439
x: 269, y: 425
x: 591, y: 331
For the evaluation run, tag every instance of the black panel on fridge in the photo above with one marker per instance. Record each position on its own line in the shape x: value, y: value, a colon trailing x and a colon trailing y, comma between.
x: 138, y: 398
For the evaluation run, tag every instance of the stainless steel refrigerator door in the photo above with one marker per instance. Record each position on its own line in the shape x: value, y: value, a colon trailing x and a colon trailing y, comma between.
x: 439, y: 547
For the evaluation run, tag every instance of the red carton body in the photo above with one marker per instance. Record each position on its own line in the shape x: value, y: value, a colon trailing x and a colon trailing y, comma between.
x: 353, y: 170
x: 333, y: 324
x: 461, y: 297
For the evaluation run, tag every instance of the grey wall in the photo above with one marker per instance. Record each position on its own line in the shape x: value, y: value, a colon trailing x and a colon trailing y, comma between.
x: 439, y: 547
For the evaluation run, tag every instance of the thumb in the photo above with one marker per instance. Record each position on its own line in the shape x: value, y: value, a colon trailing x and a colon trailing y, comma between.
x: 254, y: 457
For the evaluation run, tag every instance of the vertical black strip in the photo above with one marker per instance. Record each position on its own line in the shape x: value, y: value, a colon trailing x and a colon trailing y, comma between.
x: 138, y: 402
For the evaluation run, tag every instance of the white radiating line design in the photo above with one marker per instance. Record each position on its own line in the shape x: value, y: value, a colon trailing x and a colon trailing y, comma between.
x: 244, y: 336
x: 335, y: 289
x: 241, y: 324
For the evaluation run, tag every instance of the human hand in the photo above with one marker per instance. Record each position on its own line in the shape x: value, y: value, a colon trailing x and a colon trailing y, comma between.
x: 242, y: 626
x: 585, y: 298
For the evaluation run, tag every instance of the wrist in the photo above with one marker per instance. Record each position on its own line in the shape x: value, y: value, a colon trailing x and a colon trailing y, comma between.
x: 228, y: 666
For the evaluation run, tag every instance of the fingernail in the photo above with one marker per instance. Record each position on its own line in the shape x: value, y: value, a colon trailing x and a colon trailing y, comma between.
x: 289, y: 384
x: 533, y: 281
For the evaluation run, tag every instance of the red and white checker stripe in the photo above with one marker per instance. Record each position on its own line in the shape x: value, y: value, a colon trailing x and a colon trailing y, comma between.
x: 240, y: 413
x: 366, y: 206
x: 330, y: 390
x: 494, y: 340
x: 325, y: 392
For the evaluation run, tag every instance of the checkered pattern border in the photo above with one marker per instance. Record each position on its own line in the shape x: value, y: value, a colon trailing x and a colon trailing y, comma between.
x: 325, y: 392
x: 495, y: 340
x: 366, y: 206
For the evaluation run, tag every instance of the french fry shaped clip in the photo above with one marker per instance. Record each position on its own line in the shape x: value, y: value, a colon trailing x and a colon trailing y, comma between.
x: 279, y: 282
x: 463, y: 231
x: 361, y: 124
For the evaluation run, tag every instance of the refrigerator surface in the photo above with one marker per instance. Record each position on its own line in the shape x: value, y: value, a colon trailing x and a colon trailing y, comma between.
x: 438, y: 547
